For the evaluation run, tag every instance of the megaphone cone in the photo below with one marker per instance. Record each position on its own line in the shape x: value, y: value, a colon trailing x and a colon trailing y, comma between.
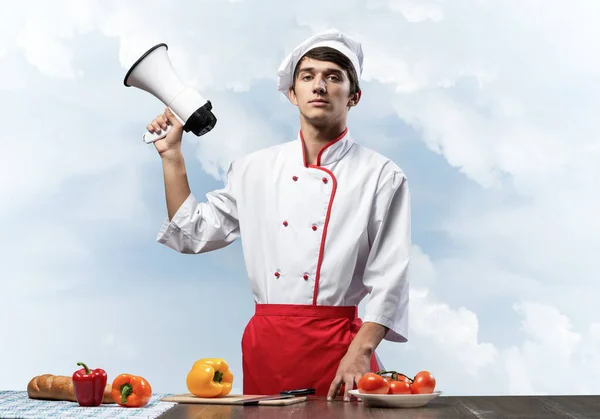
x: 153, y: 73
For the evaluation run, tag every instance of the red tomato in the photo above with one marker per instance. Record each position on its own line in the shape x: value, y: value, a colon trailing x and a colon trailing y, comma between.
x: 373, y: 383
x: 424, y: 383
x: 399, y: 387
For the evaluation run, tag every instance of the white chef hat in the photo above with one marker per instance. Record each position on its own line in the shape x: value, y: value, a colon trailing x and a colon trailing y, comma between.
x: 329, y: 38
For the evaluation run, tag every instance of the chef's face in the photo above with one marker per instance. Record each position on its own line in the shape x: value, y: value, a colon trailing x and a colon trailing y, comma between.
x: 322, y: 92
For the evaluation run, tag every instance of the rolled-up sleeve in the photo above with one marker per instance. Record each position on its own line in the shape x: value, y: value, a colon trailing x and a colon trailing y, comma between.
x: 199, y: 227
x: 386, y: 272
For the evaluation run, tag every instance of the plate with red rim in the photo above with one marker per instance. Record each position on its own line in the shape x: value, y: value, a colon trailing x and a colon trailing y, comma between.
x: 395, y: 400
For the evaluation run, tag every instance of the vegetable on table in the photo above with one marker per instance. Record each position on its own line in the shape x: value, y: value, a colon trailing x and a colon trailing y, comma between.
x: 373, y: 383
x: 130, y: 390
x: 392, y: 382
x: 423, y: 383
x: 89, y: 385
x: 399, y: 387
x: 209, y: 377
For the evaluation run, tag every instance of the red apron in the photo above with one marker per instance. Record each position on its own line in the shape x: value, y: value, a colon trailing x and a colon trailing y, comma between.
x: 287, y: 347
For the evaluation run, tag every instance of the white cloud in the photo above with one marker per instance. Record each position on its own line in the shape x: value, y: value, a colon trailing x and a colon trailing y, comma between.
x: 411, y: 11
x: 51, y: 56
x: 505, y: 102
x: 47, y: 30
x: 446, y: 340
x: 552, y: 350
x: 456, y: 331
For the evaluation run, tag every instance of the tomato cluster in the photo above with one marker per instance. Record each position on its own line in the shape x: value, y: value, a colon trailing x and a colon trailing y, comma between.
x: 396, y: 383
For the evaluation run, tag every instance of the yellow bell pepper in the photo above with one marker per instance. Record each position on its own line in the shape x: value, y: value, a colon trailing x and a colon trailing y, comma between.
x: 209, y: 377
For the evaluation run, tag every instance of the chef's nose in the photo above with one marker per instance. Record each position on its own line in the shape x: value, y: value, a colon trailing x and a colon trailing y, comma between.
x: 319, y: 85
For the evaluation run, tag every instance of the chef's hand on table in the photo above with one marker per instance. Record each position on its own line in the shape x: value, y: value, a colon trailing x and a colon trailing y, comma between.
x: 171, y: 144
x: 352, y: 367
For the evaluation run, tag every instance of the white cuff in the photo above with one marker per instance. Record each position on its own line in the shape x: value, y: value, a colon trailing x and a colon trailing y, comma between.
x: 396, y: 333
x: 169, y: 227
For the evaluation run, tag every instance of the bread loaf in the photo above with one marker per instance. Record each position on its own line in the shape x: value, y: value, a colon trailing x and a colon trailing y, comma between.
x: 58, y: 387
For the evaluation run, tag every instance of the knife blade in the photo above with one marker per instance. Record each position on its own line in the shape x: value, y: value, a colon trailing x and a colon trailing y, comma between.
x: 300, y: 392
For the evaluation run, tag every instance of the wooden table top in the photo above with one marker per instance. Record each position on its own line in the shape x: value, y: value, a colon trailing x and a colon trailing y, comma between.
x: 478, y: 407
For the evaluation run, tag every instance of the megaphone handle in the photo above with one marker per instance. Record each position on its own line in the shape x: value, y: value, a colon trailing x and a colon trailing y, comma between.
x: 150, y: 137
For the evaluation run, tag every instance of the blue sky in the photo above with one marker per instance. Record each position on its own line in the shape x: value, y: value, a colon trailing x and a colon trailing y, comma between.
x: 489, y: 107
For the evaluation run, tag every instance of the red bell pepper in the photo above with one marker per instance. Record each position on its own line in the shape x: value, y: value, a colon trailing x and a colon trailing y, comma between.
x: 89, y: 385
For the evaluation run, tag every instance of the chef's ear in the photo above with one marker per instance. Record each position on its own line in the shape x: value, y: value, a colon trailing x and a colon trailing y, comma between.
x: 354, y: 99
x: 292, y: 95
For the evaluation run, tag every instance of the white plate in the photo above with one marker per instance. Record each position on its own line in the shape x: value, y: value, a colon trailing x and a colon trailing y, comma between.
x: 395, y: 400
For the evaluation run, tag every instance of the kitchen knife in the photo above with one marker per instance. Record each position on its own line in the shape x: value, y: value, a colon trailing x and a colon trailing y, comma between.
x: 299, y: 392
x: 255, y: 400
x: 288, y: 394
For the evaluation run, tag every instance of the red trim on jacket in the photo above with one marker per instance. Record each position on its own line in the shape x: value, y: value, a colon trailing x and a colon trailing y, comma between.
x: 324, y: 233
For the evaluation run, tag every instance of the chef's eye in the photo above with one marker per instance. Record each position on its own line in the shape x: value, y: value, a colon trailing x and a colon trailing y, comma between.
x: 306, y: 78
x: 334, y: 78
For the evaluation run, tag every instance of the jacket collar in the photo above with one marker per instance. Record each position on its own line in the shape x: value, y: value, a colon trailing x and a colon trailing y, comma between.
x: 331, y: 152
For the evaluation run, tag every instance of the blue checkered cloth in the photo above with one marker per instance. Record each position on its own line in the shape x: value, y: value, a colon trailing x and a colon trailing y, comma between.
x: 17, y: 405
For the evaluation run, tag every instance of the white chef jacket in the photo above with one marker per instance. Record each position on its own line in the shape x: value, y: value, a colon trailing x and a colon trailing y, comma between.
x: 342, y: 224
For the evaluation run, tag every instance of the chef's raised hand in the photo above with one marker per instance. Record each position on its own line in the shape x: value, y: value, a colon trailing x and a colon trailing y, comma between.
x: 172, y: 141
x: 352, y: 367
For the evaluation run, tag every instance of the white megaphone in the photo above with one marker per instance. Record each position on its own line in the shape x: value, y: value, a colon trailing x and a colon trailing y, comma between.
x: 154, y: 73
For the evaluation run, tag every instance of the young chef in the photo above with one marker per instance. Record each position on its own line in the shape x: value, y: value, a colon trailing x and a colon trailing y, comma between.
x: 323, y: 222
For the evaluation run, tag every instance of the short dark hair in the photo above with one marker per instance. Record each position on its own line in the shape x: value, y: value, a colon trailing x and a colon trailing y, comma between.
x: 336, y: 57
